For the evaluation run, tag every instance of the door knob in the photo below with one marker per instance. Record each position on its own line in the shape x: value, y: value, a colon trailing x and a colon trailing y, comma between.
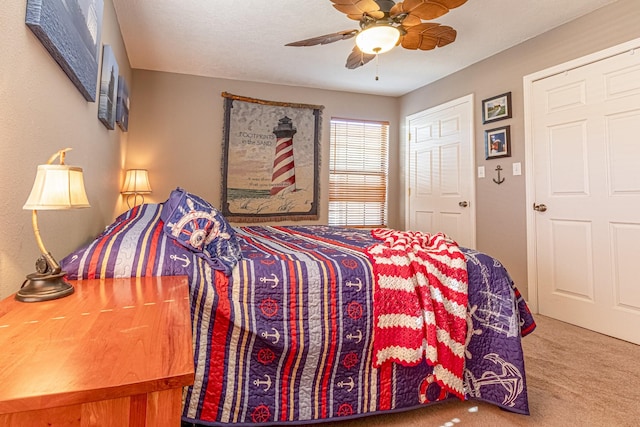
x: 463, y: 204
x: 539, y: 207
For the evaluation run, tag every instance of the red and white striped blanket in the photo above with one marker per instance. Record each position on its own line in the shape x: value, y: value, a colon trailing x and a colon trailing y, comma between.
x: 420, y: 303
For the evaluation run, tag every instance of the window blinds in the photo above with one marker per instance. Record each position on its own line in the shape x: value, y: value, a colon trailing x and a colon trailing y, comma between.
x: 358, y: 169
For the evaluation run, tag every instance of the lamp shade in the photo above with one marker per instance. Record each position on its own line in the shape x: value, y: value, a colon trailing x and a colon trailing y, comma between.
x: 57, y: 187
x: 136, y: 181
x: 377, y: 39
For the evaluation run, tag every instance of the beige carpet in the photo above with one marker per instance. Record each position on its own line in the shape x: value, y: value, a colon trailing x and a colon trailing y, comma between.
x: 575, y: 377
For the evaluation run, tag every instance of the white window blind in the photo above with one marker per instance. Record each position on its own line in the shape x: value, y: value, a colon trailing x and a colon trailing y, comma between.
x: 358, y: 173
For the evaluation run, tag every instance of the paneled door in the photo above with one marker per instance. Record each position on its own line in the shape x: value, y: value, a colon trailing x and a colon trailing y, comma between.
x: 441, y: 186
x: 586, y: 169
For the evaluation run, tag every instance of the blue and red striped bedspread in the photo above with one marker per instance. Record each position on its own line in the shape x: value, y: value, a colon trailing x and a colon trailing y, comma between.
x: 288, y: 336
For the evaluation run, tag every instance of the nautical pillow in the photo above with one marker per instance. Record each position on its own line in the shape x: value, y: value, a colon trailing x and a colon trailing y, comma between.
x: 198, y: 226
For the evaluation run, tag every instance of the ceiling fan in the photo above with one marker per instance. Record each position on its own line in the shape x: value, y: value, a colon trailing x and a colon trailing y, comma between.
x: 384, y: 24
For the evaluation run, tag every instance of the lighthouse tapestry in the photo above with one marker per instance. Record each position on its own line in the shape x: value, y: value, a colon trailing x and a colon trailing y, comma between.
x: 271, y: 160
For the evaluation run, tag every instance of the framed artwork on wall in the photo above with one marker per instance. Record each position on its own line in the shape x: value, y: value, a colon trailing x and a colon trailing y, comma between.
x: 496, y: 108
x: 122, y: 107
x: 70, y: 30
x: 108, y: 88
x: 497, y: 142
x: 270, y: 160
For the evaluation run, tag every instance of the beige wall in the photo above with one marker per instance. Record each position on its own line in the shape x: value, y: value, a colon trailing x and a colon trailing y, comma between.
x: 501, y: 215
x: 41, y: 111
x: 176, y: 124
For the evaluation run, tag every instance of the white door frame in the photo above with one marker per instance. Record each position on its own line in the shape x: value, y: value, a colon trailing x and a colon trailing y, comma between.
x: 468, y: 100
x: 528, y: 81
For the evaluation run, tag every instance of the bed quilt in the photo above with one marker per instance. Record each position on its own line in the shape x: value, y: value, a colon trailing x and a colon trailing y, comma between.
x: 287, y: 336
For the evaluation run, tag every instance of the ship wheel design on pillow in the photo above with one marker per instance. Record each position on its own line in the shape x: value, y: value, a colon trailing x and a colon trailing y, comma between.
x: 199, y: 227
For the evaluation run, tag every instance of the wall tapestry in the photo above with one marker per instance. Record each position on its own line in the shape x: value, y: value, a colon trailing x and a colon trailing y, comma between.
x: 270, y: 160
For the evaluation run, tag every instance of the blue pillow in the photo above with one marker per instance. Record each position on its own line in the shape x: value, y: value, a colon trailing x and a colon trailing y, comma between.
x: 201, y: 228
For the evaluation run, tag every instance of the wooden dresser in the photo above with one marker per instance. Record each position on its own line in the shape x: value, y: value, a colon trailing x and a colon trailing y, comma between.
x: 117, y: 352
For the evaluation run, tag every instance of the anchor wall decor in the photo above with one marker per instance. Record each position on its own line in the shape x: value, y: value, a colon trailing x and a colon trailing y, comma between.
x: 499, y: 180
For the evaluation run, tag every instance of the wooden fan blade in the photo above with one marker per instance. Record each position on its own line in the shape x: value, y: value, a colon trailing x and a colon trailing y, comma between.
x: 425, y: 9
x: 355, y: 9
x: 427, y: 36
x: 449, y: 4
x: 397, y: 9
x: 327, y: 38
x: 410, y: 21
x: 357, y: 58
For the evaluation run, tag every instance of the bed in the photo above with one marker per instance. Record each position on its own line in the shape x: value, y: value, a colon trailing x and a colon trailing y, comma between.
x: 283, y: 317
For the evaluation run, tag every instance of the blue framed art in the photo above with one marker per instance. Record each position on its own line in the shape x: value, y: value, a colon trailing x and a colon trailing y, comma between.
x: 122, y: 109
x: 70, y: 30
x: 108, y: 88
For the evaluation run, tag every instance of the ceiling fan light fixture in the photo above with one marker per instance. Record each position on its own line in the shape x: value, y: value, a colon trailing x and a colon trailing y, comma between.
x: 377, y: 39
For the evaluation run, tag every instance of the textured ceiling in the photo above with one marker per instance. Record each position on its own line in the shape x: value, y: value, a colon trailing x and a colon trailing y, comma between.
x: 245, y: 40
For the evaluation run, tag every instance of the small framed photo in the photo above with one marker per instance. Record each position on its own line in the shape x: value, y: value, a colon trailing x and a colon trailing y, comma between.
x: 496, y: 108
x: 497, y: 142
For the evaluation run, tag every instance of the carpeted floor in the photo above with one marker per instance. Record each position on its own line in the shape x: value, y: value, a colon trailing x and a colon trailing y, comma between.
x: 575, y: 377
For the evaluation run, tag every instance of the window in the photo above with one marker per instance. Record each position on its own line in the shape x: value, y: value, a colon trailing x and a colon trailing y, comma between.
x: 358, y: 173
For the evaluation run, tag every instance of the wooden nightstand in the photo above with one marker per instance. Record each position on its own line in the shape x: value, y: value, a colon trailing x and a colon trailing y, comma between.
x: 116, y: 353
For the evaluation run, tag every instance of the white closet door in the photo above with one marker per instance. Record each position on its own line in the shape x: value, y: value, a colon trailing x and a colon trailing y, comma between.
x: 586, y: 160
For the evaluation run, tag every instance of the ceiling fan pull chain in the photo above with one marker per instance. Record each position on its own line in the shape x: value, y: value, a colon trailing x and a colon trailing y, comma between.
x: 377, y: 55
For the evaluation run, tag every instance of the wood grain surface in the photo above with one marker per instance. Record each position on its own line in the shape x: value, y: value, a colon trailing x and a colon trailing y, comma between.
x: 110, y: 339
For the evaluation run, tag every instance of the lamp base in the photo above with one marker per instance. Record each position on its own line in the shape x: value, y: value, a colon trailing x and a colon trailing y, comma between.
x: 44, y: 287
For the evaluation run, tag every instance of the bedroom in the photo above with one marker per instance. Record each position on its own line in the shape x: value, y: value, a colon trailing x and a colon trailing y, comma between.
x: 42, y: 112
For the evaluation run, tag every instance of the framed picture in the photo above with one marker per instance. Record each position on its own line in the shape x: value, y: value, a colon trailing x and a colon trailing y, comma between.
x: 108, y: 88
x: 496, y: 108
x: 270, y: 160
x: 122, y: 107
x: 70, y: 31
x: 497, y: 142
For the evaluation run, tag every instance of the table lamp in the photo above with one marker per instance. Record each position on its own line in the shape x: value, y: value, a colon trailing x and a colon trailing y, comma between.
x: 56, y: 187
x: 136, y: 182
